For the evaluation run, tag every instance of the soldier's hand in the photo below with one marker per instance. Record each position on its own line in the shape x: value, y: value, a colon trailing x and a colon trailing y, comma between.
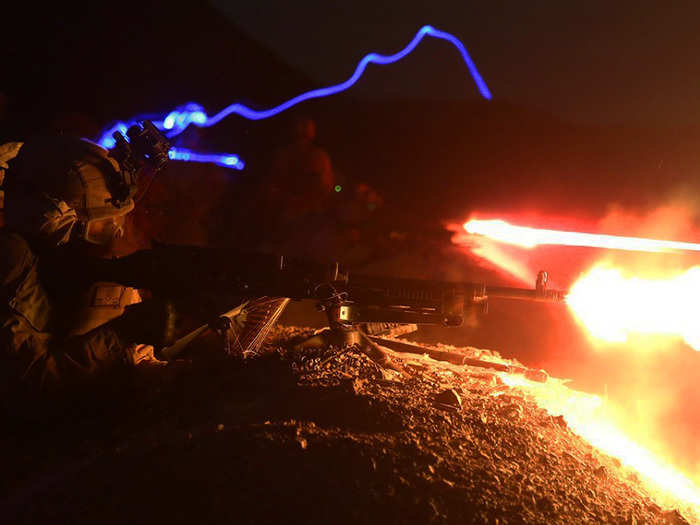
x: 142, y: 355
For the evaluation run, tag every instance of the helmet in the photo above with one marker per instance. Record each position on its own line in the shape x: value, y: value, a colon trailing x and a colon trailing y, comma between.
x: 57, y: 189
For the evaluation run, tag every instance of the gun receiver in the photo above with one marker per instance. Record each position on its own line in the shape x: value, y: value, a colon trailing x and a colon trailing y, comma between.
x: 371, y: 299
x: 414, y: 301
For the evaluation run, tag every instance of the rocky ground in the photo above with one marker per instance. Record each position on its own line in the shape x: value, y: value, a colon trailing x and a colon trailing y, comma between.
x: 320, y: 436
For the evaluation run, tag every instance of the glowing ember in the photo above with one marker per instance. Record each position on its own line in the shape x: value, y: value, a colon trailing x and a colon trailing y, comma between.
x: 593, y: 419
x: 530, y: 237
x: 612, y: 306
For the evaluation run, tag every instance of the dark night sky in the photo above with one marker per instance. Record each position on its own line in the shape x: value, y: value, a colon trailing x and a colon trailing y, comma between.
x: 594, y: 61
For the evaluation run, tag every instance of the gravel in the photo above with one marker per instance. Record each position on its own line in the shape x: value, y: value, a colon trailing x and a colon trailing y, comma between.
x: 316, y: 436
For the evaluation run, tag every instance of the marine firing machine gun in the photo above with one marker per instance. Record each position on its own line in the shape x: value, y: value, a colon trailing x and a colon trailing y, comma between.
x: 360, y: 308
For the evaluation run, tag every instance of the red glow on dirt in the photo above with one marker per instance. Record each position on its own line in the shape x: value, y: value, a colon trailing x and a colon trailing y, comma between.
x: 634, y: 291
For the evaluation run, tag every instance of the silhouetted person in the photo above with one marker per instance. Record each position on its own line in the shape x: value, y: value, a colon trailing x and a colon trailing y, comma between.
x: 298, y: 189
x: 301, y: 178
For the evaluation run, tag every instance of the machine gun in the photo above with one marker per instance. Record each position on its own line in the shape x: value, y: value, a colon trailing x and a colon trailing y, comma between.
x: 360, y: 308
x: 366, y: 308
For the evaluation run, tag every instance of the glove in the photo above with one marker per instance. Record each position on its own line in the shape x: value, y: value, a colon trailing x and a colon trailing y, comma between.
x: 139, y: 355
x: 153, y: 322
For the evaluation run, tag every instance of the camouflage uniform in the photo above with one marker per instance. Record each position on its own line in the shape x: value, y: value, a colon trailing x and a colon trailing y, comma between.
x: 57, y: 327
x: 33, y: 348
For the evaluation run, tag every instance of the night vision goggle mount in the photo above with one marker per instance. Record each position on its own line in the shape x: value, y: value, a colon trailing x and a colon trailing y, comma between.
x: 146, y: 146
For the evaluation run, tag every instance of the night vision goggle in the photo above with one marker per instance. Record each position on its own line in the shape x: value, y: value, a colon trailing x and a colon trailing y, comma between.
x: 143, y: 146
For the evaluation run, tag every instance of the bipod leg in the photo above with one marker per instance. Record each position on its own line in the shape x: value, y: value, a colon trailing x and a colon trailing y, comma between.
x: 376, y: 354
x: 343, y: 337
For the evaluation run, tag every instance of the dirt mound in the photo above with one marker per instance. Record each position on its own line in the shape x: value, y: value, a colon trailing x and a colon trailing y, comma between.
x: 313, y: 437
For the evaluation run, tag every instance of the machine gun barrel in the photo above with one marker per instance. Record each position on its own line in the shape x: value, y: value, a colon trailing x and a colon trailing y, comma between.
x: 504, y: 292
x: 540, y: 293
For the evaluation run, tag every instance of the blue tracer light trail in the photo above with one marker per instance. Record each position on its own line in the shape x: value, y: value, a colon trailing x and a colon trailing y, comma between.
x: 252, y: 114
x: 176, y: 121
x: 224, y: 160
